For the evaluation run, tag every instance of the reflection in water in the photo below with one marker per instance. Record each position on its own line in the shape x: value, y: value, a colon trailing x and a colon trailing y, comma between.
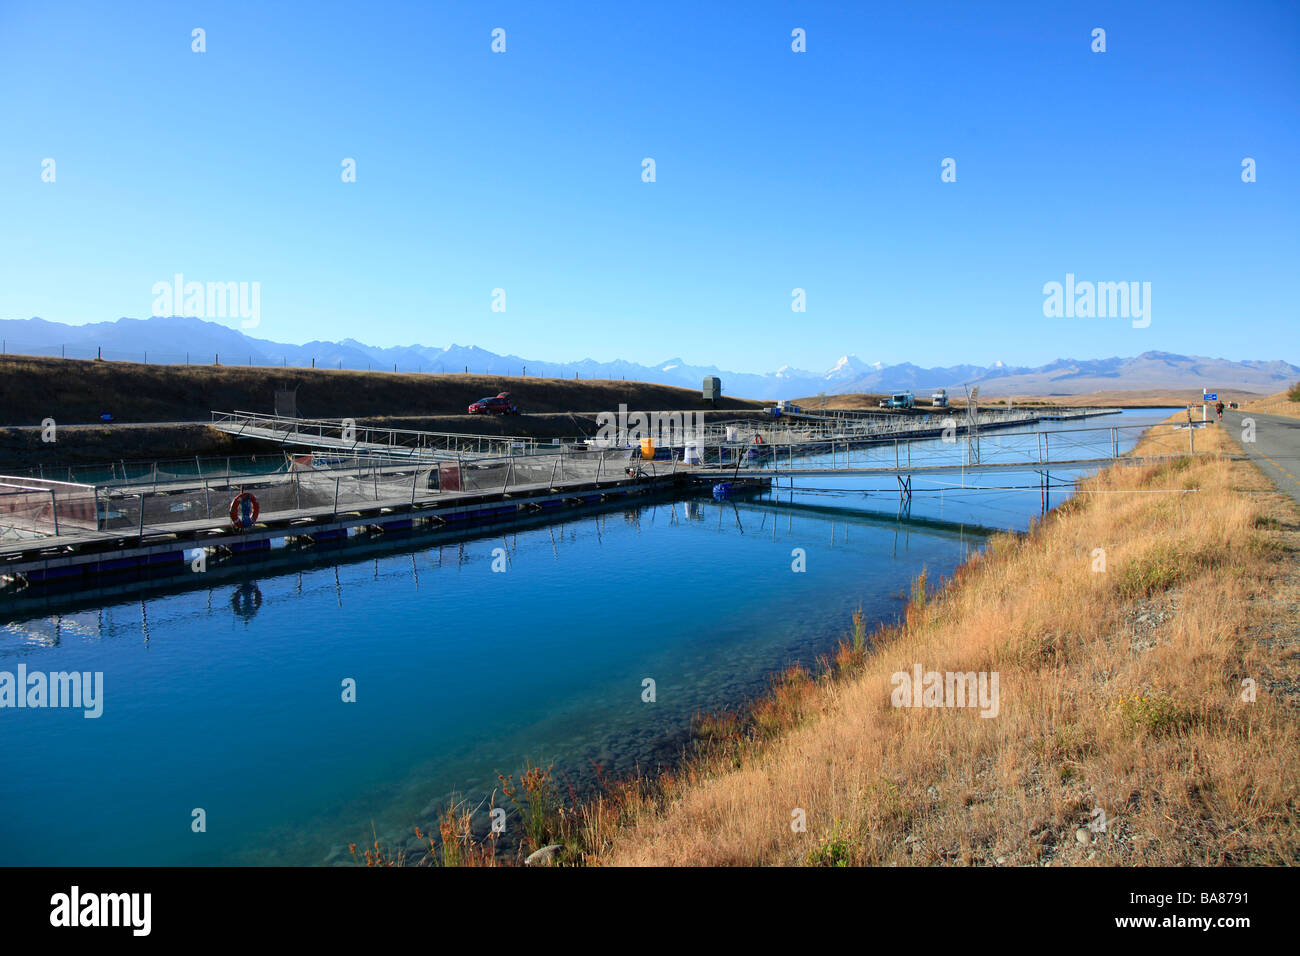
x: 466, y: 673
x: 246, y: 601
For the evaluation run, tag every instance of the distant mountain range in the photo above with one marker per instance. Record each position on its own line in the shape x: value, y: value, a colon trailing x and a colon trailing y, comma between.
x: 177, y: 339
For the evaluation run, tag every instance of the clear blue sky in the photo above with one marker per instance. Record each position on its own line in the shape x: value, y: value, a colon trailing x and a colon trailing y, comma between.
x: 775, y: 170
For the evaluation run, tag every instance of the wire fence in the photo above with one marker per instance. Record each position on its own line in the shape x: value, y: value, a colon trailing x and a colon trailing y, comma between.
x: 81, y: 350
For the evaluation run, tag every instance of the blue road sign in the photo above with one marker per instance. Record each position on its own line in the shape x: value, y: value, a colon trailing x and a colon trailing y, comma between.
x: 1211, y: 398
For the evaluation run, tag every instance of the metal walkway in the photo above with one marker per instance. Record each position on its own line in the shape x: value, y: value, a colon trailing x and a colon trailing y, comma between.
x: 345, y: 435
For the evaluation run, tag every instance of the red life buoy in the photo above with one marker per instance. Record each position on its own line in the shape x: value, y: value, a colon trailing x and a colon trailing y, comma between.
x: 244, y: 510
x: 758, y: 439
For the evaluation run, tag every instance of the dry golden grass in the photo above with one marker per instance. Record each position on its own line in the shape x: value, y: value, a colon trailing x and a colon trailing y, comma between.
x: 1119, y: 690
x: 76, y: 391
x: 1280, y: 404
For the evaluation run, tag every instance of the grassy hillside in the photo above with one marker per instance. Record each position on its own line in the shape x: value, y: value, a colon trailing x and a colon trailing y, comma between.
x: 1121, y: 690
x: 1148, y: 708
x: 74, y: 391
x: 1283, y: 403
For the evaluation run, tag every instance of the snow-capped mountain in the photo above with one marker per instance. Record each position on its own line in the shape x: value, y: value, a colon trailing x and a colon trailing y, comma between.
x: 175, y: 340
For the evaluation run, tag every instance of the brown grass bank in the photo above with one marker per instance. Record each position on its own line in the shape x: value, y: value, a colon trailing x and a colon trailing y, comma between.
x: 1283, y: 403
x: 1120, y: 693
x: 75, y: 391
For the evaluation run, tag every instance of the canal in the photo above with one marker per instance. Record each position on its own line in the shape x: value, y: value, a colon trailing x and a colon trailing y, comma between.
x: 471, y: 653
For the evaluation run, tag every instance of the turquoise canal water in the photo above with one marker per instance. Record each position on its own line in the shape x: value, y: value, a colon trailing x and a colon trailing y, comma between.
x: 226, y: 694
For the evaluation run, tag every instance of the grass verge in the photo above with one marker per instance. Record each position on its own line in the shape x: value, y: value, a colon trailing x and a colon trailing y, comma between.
x: 1149, y: 674
x: 1148, y: 708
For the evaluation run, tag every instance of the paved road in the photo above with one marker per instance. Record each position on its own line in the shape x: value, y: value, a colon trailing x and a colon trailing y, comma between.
x: 1276, y: 449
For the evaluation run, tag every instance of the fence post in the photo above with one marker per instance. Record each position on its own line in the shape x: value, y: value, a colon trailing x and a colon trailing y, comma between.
x: 551, y: 484
x: 54, y: 511
x: 142, y: 517
x: 415, y: 476
x: 336, y: 498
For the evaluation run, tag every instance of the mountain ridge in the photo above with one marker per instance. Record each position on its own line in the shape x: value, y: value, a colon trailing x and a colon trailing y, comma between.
x: 171, y: 340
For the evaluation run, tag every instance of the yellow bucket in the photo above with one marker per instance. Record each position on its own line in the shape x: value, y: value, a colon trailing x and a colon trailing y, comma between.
x: 647, y: 448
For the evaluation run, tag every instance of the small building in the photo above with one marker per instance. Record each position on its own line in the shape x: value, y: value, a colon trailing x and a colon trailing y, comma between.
x: 712, y: 389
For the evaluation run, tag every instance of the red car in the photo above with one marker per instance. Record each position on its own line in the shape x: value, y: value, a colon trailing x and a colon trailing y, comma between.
x: 503, y: 404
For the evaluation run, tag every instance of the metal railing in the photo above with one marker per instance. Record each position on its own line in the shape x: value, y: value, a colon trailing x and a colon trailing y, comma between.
x: 301, y: 486
x: 1057, y: 448
x: 348, y: 434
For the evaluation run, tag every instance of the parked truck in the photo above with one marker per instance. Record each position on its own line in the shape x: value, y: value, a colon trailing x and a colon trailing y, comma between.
x: 940, y: 398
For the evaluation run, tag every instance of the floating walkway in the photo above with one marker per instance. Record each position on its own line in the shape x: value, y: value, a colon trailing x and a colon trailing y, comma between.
x: 68, y: 530
x: 78, y: 553
x: 344, y: 435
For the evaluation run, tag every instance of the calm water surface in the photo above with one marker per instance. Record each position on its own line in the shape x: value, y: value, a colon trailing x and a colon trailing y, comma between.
x: 226, y: 695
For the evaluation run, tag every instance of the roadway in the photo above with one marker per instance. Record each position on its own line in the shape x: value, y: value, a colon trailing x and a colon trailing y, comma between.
x: 1275, y: 450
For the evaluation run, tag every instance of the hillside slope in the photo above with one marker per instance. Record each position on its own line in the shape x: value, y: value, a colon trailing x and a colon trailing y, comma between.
x: 75, y: 391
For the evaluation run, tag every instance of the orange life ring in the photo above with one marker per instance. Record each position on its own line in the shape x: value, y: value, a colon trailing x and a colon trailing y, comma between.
x: 758, y: 439
x: 244, y: 510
